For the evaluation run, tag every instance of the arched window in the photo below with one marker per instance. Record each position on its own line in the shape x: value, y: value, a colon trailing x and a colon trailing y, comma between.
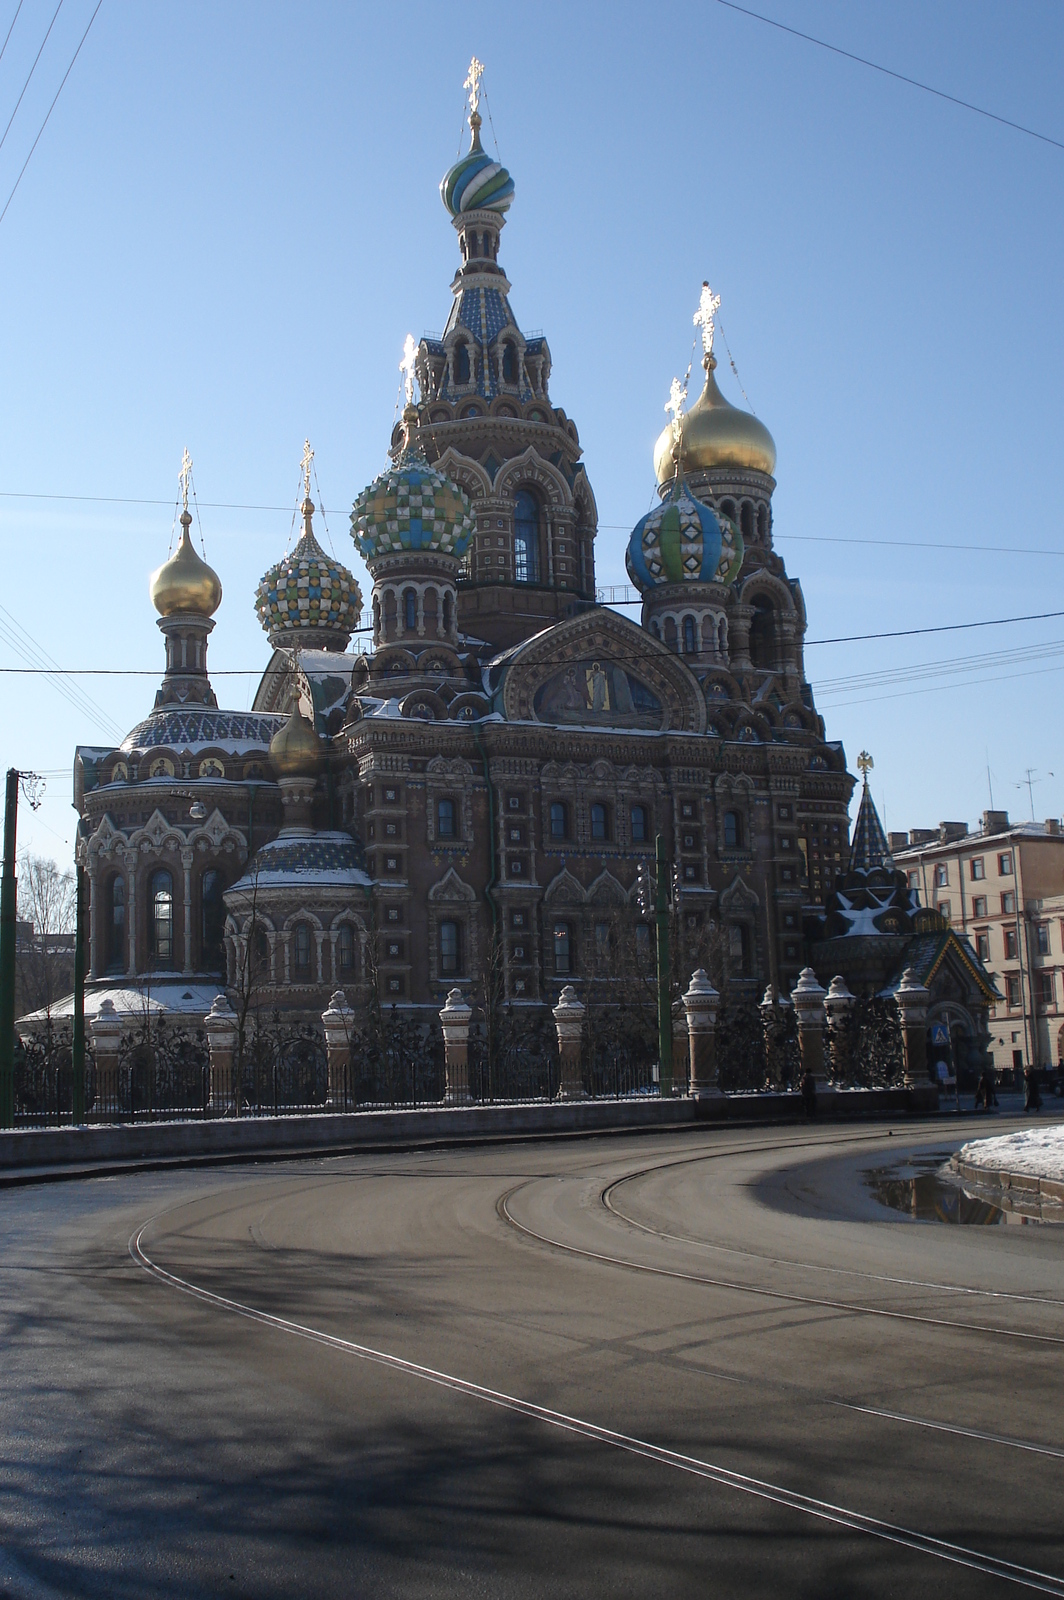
x: 690, y: 645
x: 526, y: 538
x: 260, y: 953
x: 746, y: 520
x: 728, y: 509
x: 461, y: 364
x: 559, y: 820
x: 410, y: 610
x: 116, y: 925
x: 301, y: 947
x: 509, y: 363
x: 345, y: 951
x: 733, y: 831
x: 670, y: 632
x: 639, y: 825
x: 161, y: 922
x: 763, y: 637
x: 563, y: 949
x: 739, y: 949
x: 450, y: 950
x: 762, y: 521
x: 446, y: 820
x: 446, y: 611
x: 212, y: 921
x: 600, y: 822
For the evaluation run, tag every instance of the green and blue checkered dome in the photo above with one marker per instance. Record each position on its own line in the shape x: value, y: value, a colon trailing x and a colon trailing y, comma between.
x: 682, y: 540
x: 308, y: 589
x: 412, y: 507
x: 477, y: 183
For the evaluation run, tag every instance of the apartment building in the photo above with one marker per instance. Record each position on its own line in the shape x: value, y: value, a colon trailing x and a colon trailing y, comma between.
x: 1003, y: 886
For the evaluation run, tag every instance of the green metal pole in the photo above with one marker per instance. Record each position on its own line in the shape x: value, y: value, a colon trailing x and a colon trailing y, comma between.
x: 77, y: 1044
x: 7, y: 957
x: 661, y: 917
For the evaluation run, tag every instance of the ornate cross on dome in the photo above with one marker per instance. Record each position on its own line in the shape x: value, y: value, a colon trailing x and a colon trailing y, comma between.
x: 185, y: 478
x: 865, y: 764
x: 674, y: 406
x: 472, y: 83
x: 304, y: 467
x: 406, y: 367
x: 708, y: 306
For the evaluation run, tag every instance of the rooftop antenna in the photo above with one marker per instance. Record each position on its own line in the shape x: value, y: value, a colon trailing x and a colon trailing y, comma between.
x: 1030, y: 780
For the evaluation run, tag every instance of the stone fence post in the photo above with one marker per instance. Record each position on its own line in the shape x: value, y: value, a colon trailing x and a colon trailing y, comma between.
x: 455, y: 1018
x: 569, y: 1020
x: 840, y: 1006
x: 702, y: 1004
x: 336, y: 1021
x: 106, y: 1031
x: 913, y: 1000
x: 221, y: 1027
x: 773, y: 1008
x: 807, y: 997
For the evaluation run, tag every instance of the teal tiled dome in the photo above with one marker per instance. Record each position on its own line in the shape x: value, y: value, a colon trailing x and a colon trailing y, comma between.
x: 308, y: 589
x: 412, y: 507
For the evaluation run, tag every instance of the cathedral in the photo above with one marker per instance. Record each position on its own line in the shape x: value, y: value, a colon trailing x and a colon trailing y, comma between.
x: 478, y: 781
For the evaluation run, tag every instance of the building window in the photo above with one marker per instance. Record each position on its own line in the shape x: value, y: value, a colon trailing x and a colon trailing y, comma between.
x: 445, y: 819
x: 410, y: 611
x: 1008, y: 904
x: 161, y: 927
x: 941, y: 875
x: 116, y: 925
x: 975, y: 867
x: 563, y: 950
x: 450, y: 950
x: 212, y: 921
x: 943, y: 909
x: 1012, y: 985
x: 1005, y: 864
x: 914, y: 880
x: 640, y: 830
x: 738, y: 948
x: 979, y: 906
x: 345, y: 950
x: 689, y: 644
x: 461, y: 364
x: 526, y: 538
x: 600, y: 830
x: 733, y: 831
x: 559, y: 820
x: 1045, y: 988
x: 509, y: 363
x: 982, y: 946
x: 301, y: 952
x: 602, y: 938
x: 1042, y: 936
x: 1010, y: 943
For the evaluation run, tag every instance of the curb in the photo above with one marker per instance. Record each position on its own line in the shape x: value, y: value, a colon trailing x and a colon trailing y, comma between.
x: 1025, y: 1183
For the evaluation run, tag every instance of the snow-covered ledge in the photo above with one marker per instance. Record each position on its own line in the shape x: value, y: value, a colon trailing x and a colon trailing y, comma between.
x: 1031, y: 1161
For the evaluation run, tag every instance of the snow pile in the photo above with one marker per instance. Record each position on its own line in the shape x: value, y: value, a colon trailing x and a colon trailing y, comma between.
x: 1036, y: 1152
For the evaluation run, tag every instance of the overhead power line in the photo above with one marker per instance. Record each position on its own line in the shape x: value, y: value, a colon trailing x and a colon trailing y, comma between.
x: 29, y: 75
x: 888, y: 72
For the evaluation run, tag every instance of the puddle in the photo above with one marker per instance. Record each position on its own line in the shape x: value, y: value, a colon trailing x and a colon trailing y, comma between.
x: 924, y: 1188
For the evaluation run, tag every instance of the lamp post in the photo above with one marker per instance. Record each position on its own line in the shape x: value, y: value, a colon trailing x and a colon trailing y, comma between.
x: 8, y: 930
x: 654, y: 902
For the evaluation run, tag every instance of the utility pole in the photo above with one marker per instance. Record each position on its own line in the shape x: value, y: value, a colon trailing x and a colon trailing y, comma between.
x: 661, y: 917
x: 8, y: 903
x: 77, y: 1043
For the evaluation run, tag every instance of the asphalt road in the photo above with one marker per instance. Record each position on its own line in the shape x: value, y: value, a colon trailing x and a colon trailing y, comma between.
x: 706, y: 1364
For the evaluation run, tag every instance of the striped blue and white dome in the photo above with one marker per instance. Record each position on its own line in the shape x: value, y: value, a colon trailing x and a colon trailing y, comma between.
x: 477, y: 183
x: 683, y: 541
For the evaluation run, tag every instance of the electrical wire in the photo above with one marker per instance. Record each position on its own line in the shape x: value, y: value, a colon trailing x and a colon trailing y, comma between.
x: 29, y: 75
x: 888, y: 72
x: 43, y: 665
x: 10, y: 30
x: 51, y: 108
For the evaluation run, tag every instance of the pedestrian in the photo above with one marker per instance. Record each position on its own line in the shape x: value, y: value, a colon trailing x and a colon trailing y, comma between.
x: 1032, y: 1100
x: 808, y: 1091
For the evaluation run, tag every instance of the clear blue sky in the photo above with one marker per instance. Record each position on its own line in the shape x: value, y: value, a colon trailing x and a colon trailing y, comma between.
x: 232, y: 220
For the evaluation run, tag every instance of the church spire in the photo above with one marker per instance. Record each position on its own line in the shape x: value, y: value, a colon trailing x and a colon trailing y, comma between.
x: 869, y: 848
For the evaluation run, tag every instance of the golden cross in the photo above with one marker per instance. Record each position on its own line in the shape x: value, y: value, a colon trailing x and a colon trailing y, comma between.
x: 304, y: 467
x: 865, y: 764
x: 185, y: 478
x: 472, y: 83
x: 708, y: 306
x: 406, y: 367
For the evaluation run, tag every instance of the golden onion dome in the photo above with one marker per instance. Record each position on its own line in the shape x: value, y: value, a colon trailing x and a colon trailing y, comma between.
x: 295, y: 749
x: 716, y: 434
x: 185, y: 582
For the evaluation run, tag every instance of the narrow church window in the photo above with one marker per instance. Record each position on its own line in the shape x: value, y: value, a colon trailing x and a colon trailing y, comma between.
x: 301, y: 952
x: 738, y: 947
x: 733, y: 831
x: 116, y: 925
x: 689, y: 646
x: 410, y: 611
x: 445, y: 819
x: 449, y: 949
x: 639, y: 824
x: 162, y: 916
x: 563, y: 953
x: 345, y: 950
x: 526, y: 538
x: 599, y: 822
x: 461, y: 364
x: 212, y: 921
x: 559, y: 820
x: 509, y: 363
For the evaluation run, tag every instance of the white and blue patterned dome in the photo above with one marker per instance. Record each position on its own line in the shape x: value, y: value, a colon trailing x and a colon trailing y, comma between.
x: 683, y: 541
x: 476, y: 182
x: 412, y: 507
x: 309, y: 591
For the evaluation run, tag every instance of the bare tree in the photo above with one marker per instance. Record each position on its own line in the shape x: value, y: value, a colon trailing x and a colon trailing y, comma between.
x: 46, y: 901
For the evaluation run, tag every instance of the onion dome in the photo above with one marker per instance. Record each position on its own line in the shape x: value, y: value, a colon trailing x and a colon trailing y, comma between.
x: 185, y: 583
x: 682, y: 540
x: 295, y: 749
x: 476, y: 182
x: 412, y: 507
x: 716, y: 434
x: 308, y: 590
